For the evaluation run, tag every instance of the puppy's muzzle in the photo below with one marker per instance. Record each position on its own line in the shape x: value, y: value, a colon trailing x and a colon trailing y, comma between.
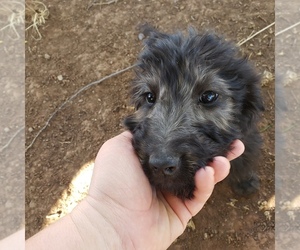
x: 161, y: 164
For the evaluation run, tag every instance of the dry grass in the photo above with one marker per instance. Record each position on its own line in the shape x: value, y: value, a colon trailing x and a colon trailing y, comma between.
x: 14, y: 15
x: 240, y: 43
x: 107, y: 2
x: 12, y: 18
x: 36, y: 13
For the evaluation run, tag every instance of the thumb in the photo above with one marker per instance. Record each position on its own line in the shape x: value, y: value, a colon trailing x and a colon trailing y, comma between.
x: 205, y: 182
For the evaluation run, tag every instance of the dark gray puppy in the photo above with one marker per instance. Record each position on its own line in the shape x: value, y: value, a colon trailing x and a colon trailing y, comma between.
x: 194, y: 95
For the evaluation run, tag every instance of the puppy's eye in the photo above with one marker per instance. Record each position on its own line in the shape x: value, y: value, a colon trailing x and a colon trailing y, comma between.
x: 150, y: 98
x: 208, y: 97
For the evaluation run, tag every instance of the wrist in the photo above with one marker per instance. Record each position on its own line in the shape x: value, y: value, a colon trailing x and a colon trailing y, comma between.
x: 62, y: 234
x: 96, y: 229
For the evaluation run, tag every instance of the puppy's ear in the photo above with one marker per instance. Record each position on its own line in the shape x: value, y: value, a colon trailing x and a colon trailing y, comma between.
x: 255, y: 100
x: 253, y: 103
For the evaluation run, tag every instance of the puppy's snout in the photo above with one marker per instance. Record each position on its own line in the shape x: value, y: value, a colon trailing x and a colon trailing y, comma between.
x: 164, y: 164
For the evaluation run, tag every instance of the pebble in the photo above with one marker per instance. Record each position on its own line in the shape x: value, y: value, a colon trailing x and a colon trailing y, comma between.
x: 30, y: 129
x: 60, y: 78
x: 6, y: 129
x: 47, y: 56
x: 191, y: 225
x: 141, y: 36
x: 32, y: 204
x: 266, y: 78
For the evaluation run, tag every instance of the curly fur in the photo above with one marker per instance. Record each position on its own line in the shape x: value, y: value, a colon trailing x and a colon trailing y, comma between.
x: 177, y: 134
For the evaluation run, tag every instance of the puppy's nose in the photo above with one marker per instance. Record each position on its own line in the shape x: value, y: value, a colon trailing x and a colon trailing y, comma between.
x: 165, y: 164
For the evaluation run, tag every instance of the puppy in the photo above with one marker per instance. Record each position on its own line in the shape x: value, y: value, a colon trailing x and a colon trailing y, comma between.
x: 194, y: 95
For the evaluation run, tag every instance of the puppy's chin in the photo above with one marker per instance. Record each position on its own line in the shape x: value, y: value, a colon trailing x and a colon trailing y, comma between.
x: 179, y: 185
x: 181, y: 190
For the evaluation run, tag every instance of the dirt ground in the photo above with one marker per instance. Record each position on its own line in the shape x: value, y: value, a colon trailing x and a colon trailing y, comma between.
x: 85, y: 41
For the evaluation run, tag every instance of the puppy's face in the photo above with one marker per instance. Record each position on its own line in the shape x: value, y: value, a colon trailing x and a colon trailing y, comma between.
x: 189, y: 96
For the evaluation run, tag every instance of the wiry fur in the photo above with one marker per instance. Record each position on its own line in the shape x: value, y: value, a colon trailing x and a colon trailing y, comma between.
x: 178, y: 130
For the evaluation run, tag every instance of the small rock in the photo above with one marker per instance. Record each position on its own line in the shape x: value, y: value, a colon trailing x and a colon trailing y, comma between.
x: 191, y: 225
x: 141, y: 36
x: 31, y: 204
x: 6, y: 129
x: 266, y: 78
x: 60, y: 78
x: 47, y: 56
x: 30, y: 129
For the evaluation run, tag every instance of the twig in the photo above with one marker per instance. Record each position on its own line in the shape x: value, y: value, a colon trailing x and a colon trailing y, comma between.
x: 11, y: 139
x: 240, y: 43
x: 265, y: 128
x: 271, y: 97
x: 286, y: 29
x: 106, y: 3
x: 72, y: 97
x: 102, y: 3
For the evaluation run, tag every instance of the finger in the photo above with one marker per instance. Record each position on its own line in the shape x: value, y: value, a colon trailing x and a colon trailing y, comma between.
x: 221, y: 167
x: 127, y: 135
x: 121, y: 142
x: 178, y: 207
x: 237, y: 149
x: 205, y: 181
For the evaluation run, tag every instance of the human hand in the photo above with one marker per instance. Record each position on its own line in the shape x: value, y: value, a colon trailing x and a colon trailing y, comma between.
x: 123, y: 211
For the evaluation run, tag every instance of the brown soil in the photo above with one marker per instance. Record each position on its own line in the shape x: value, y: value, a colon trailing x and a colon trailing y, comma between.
x: 80, y: 45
